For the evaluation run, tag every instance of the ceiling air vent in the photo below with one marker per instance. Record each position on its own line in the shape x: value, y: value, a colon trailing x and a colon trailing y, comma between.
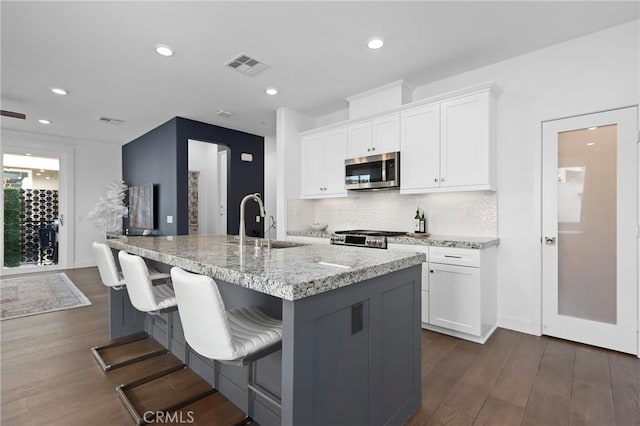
x: 247, y: 65
x: 111, y: 120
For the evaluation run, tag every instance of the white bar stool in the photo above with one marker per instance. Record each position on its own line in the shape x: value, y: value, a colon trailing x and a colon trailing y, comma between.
x: 153, y: 300
x: 239, y: 336
x: 112, y: 278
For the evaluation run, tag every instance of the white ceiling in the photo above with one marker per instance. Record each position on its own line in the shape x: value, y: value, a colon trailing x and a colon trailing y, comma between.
x: 103, y: 54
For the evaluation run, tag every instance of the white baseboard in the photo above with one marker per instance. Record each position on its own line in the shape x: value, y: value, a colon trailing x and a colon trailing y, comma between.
x: 518, y: 324
x: 84, y: 264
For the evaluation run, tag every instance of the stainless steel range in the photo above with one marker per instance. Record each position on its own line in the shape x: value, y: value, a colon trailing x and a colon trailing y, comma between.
x: 363, y: 238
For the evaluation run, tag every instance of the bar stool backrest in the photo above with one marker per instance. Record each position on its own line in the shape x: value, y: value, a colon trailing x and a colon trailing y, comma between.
x: 106, y: 265
x: 203, y: 315
x: 139, y: 286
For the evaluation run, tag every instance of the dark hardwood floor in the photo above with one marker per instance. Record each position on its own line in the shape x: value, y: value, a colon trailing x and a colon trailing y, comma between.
x: 48, y: 377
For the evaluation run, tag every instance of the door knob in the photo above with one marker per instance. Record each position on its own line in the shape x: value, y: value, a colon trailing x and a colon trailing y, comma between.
x: 551, y: 241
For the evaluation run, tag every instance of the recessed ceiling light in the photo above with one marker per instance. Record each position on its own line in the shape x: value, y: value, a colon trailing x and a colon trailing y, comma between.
x: 591, y: 144
x: 42, y: 121
x: 48, y: 177
x: 38, y: 174
x: 271, y: 91
x: 41, y: 170
x: 59, y: 91
x: 164, y: 50
x: 376, y: 43
x: 592, y: 128
x: 28, y: 154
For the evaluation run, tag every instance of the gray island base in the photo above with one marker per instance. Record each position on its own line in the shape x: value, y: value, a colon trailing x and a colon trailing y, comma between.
x: 351, y: 348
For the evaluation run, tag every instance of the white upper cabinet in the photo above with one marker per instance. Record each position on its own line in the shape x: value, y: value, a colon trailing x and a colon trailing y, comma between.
x: 385, y: 134
x: 420, y: 148
x: 449, y: 146
x: 374, y: 137
x: 466, y: 148
x: 335, y: 152
x: 323, y: 156
x: 312, y: 165
x: 359, y: 144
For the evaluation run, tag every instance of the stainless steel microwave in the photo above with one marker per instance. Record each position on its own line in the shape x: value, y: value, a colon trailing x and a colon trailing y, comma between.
x: 373, y: 172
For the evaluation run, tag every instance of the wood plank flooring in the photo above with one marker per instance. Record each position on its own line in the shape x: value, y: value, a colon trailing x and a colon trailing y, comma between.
x: 48, y: 377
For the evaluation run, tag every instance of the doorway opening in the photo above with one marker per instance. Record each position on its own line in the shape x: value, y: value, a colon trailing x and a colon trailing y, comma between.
x: 207, y: 187
x: 31, y: 193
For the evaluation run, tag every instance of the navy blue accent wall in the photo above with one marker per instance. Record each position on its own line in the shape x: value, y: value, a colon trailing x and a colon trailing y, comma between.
x: 151, y: 158
x: 161, y: 156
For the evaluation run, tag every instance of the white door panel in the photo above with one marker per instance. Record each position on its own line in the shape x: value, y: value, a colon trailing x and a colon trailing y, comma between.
x: 590, y: 220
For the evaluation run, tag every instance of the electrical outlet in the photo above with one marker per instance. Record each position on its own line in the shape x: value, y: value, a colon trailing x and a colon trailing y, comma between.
x: 258, y: 219
x: 169, y: 219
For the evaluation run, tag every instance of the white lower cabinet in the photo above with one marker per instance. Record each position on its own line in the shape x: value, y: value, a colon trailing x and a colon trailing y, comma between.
x: 459, y: 292
x: 463, y: 292
x: 455, y: 297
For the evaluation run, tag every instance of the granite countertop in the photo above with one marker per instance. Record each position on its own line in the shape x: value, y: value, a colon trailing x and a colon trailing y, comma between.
x: 454, y: 241
x: 288, y: 273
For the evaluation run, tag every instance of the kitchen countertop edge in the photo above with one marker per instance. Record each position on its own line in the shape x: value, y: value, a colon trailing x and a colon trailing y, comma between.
x: 432, y: 240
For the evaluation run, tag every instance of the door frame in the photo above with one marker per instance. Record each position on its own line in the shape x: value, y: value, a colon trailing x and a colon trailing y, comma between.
x: 42, y: 146
x: 537, y: 245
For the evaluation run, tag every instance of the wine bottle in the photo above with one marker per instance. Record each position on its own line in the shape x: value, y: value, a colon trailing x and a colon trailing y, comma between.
x: 417, y: 221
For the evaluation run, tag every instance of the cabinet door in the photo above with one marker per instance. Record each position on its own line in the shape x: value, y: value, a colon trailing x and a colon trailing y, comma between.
x: 454, y: 298
x: 385, y: 134
x: 420, y: 148
x: 312, y: 172
x: 359, y: 144
x: 465, y: 141
x: 335, y: 152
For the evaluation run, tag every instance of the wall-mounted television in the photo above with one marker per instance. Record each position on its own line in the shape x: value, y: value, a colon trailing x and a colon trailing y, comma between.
x: 141, y: 206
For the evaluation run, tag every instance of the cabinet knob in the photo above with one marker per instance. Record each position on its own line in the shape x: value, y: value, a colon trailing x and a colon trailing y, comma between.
x: 373, y: 149
x: 431, y: 271
x: 435, y: 179
x: 368, y: 149
x: 443, y: 179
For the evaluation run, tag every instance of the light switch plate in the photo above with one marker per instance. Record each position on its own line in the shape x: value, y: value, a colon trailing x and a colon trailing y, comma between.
x: 169, y: 219
x: 258, y: 219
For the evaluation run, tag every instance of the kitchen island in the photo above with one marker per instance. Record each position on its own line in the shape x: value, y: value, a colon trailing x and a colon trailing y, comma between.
x: 351, y: 319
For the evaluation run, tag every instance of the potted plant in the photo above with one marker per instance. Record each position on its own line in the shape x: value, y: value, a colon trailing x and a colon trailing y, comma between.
x: 110, y: 209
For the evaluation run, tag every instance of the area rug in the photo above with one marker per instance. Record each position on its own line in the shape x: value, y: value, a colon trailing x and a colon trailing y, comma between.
x: 36, y: 294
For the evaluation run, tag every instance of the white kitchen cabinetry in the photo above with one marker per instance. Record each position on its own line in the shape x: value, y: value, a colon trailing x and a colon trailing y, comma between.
x: 375, y: 136
x: 467, y: 141
x: 425, y: 274
x: 420, y: 149
x: 323, y: 156
x: 449, y: 146
x: 462, y: 292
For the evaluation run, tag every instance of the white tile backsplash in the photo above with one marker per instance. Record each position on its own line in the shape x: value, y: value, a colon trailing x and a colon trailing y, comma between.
x: 454, y: 213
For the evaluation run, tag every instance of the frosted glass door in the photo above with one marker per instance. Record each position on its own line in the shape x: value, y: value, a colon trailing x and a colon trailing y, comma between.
x: 589, y: 229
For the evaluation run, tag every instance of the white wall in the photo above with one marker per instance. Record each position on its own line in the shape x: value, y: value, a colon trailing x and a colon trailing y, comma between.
x: 203, y: 158
x: 96, y: 165
x: 289, y: 123
x: 592, y: 73
x: 270, y: 179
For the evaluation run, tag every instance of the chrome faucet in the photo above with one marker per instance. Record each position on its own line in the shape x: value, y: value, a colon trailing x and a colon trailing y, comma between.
x: 258, y: 199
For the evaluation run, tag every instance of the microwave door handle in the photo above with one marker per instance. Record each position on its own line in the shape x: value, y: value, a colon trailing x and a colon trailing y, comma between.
x: 384, y: 170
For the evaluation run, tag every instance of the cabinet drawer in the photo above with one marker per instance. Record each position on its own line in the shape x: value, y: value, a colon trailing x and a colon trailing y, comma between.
x: 455, y: 256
